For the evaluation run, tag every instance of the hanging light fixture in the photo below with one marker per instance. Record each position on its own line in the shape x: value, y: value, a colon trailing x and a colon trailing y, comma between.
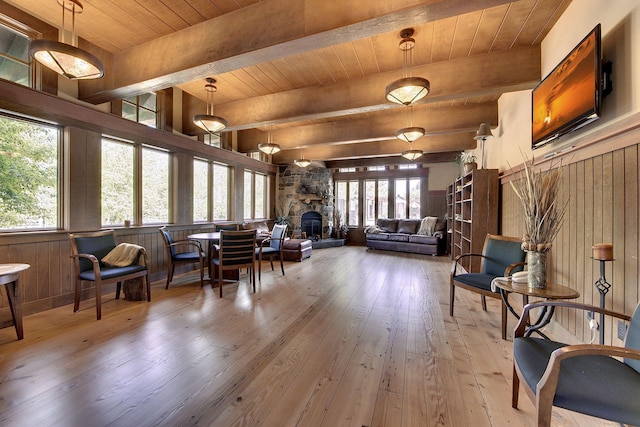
x: 412, y: 154
x: 482, y: 134
x: 410, y: 133
x: 65, y: 58
x: 302, y: 162
x: 408, y: 90
x: 209, y: 122
x: 269, y: 147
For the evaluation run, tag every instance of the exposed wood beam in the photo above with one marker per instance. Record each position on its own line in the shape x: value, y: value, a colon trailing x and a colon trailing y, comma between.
x: 436, y: 119
x: 481, y: 75
x: 269, y: 30
x: 397, y: 160
x: 429, y: 144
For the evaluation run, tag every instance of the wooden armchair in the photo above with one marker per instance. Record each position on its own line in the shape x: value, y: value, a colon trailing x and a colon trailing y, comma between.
x: 501, y: 256
x: 190, y: 252
x: 87, y: 251
x: 585, y: 378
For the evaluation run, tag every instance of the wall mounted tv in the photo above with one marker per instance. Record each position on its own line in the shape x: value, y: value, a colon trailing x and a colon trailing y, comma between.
x: 570, y: 96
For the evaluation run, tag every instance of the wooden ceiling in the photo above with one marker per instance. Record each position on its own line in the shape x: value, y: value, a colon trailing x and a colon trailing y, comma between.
x: 315, y: 71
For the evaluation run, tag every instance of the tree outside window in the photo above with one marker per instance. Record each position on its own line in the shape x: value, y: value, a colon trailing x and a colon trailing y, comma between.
x: 200, y: 190
x: 220, y: 191
x: 155, y: 186
x: 117, y: 182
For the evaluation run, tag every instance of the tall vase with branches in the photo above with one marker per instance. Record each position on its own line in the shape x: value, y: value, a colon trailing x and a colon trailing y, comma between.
x: 283, y: 208
x: 538, y: 191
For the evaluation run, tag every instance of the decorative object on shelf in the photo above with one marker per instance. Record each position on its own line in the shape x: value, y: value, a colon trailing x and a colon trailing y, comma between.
x: 538, y: 192
x: 602, y: 252
x: 407, y: 90
x: 482, y: 134
x: 210, y: 122
x: 269, y: 147
x: 64, y: 57
x: 468, y: 161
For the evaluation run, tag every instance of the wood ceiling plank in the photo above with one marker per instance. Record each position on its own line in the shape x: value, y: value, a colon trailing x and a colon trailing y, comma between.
x: 279, y: 28
x: 465, y: 33
x: 443, y: 33
x: 287, y: 67
x: 514, y: 22
x: 366, y: 56
x: 542, y: 18
x: 273, y: 78
x: 206, y: 8
x: 388, y: 53
x: 490, y: 23
x: 422, y: 53
x: 346, y: 54
x: 514, y: 70
x: 329, y: 67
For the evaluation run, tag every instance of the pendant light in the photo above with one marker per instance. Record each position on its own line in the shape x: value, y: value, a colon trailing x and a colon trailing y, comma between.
x: 407, y: 90
x: 302, y: 162
x: 410, y: 133
x: 209, y: 122
x: 269, y: 147
x: 412, y: 154
x: 65, y: 58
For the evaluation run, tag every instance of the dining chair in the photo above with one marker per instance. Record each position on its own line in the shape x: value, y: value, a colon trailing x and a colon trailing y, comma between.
x: 191, y: 252
x: 501, y: 256
x: 226, y: 227
x: 602, y: 381
x: 88, y: 251
x: 272, y: 247
x: 237, y: 251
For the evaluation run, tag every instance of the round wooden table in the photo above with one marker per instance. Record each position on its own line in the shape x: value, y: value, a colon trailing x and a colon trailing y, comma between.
x: 9, y: 275
x: 551, y: 292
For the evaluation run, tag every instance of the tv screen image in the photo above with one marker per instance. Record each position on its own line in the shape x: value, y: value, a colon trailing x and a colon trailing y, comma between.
x: 569, y: 97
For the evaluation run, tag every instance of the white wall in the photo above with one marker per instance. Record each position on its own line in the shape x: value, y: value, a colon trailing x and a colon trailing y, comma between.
x: 620, y: 20
x: 441, y: 175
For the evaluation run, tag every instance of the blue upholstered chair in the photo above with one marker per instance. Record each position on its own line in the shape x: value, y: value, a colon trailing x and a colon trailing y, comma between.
x: 583, y: 378
x: 237, y: 251
x: 272, y: 247
x: 185, y: 251
x: 87, y: 251
x: 501, y: 257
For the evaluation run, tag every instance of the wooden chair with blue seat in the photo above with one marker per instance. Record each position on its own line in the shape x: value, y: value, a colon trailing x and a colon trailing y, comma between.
x: 585, y: 378
x: 501, y: 257
x: 272, y: 247
x: 88, y: 250
x: 185, y: 251
x: 237, y: 251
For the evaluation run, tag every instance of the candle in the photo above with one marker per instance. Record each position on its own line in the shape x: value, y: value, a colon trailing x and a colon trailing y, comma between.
x: 603, y: 251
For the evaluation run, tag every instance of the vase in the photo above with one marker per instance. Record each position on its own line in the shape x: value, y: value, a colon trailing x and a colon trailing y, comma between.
x: 537, y: 269
x: 468, y: 167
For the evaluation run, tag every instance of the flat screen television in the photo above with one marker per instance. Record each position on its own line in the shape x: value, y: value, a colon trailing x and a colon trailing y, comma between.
x: 570, y: 96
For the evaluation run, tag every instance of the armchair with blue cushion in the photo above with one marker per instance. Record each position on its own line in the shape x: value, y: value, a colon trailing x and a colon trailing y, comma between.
x: 186, y: 251
x: 585, y: 378
x: 272, y: 247
x: 501, y: 257
x: 88, y: 251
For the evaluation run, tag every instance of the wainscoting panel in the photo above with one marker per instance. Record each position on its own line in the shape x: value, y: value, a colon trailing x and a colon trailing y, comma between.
x: 602, y: 197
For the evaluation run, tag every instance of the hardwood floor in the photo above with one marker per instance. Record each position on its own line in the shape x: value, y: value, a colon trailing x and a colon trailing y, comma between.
x: 348, y: 337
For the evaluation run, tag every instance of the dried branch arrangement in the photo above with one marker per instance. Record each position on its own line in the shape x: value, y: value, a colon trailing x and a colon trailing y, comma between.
x: 538, y: 192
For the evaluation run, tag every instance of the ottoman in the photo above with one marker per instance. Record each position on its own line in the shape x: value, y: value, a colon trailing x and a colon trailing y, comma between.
x: 296, y: 249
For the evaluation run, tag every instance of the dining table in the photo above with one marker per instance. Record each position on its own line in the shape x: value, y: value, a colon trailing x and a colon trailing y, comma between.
x: 9, y: 277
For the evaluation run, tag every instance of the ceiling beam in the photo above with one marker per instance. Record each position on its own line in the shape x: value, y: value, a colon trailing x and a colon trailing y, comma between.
x: 428, y: 144
x: 397, y: 160
x: 481, y: 75
x: 435, y: 119
x: 270, y: 30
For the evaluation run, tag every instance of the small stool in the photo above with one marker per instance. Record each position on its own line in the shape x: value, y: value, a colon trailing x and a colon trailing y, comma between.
x: 296, y: 249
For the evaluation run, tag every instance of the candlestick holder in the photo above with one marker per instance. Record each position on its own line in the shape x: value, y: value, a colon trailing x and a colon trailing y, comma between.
x: 602, y: 252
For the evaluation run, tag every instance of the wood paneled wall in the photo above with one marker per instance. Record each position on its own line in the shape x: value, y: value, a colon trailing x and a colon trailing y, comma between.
x: 600, y: 184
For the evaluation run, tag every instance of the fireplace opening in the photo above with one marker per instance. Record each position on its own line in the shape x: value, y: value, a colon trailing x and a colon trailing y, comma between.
x: 311, y: 225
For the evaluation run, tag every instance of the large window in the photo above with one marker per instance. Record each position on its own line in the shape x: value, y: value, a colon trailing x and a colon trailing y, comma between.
x: 408, y: 198
x: 376, y: 200
x: 142, y: 109
x: 221, y: 192
x: 200, y: 190
x: 210, y: 191
x: 28, y: 175
x: 14, y: 56
x: 255, y: 199
x: 347, y: 202
x: 120, y: 178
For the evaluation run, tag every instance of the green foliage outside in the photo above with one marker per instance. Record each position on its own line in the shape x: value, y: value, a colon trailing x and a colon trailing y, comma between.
x: 28, y: 175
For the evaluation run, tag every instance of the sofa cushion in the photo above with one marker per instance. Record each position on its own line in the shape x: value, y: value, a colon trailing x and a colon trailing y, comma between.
x: 388, y: 225
x: 408, y: 226
x: 398, y: 237
x: 425, y: 240
x: 377, y: 236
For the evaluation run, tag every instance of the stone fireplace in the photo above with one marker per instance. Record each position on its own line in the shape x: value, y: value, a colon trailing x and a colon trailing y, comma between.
x: 306, y: 194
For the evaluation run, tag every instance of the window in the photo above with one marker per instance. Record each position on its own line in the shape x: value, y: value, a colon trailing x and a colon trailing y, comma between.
x: 255, y: 198
x: 370, y: 202
x: 411, y: 166
x: 376, y: 200
x: 28, y: 174
x: 117, y: 182
x: 200, y: 190
x: 142, y: 109
x: 121, y: 177
x: 346, y: 169
x: 14, y: 56
x: 221, y: 192
x: 248, y: 194
x: 376, y: 168
x: 155, y: 186
x: 212, y: 139
x: 408, y: 198
x: 414, y: 198
x: 401, y: 198
x: 383, y: 199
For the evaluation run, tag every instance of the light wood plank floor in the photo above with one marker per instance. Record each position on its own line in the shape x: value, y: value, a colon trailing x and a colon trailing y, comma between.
x: 349, y: 337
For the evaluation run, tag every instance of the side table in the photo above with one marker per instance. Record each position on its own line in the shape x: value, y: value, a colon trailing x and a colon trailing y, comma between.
x: 551, y: 292
x: 9, y: 275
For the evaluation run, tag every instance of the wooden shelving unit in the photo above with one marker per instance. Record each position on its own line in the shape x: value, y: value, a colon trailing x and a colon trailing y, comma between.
x: 472, y: 213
